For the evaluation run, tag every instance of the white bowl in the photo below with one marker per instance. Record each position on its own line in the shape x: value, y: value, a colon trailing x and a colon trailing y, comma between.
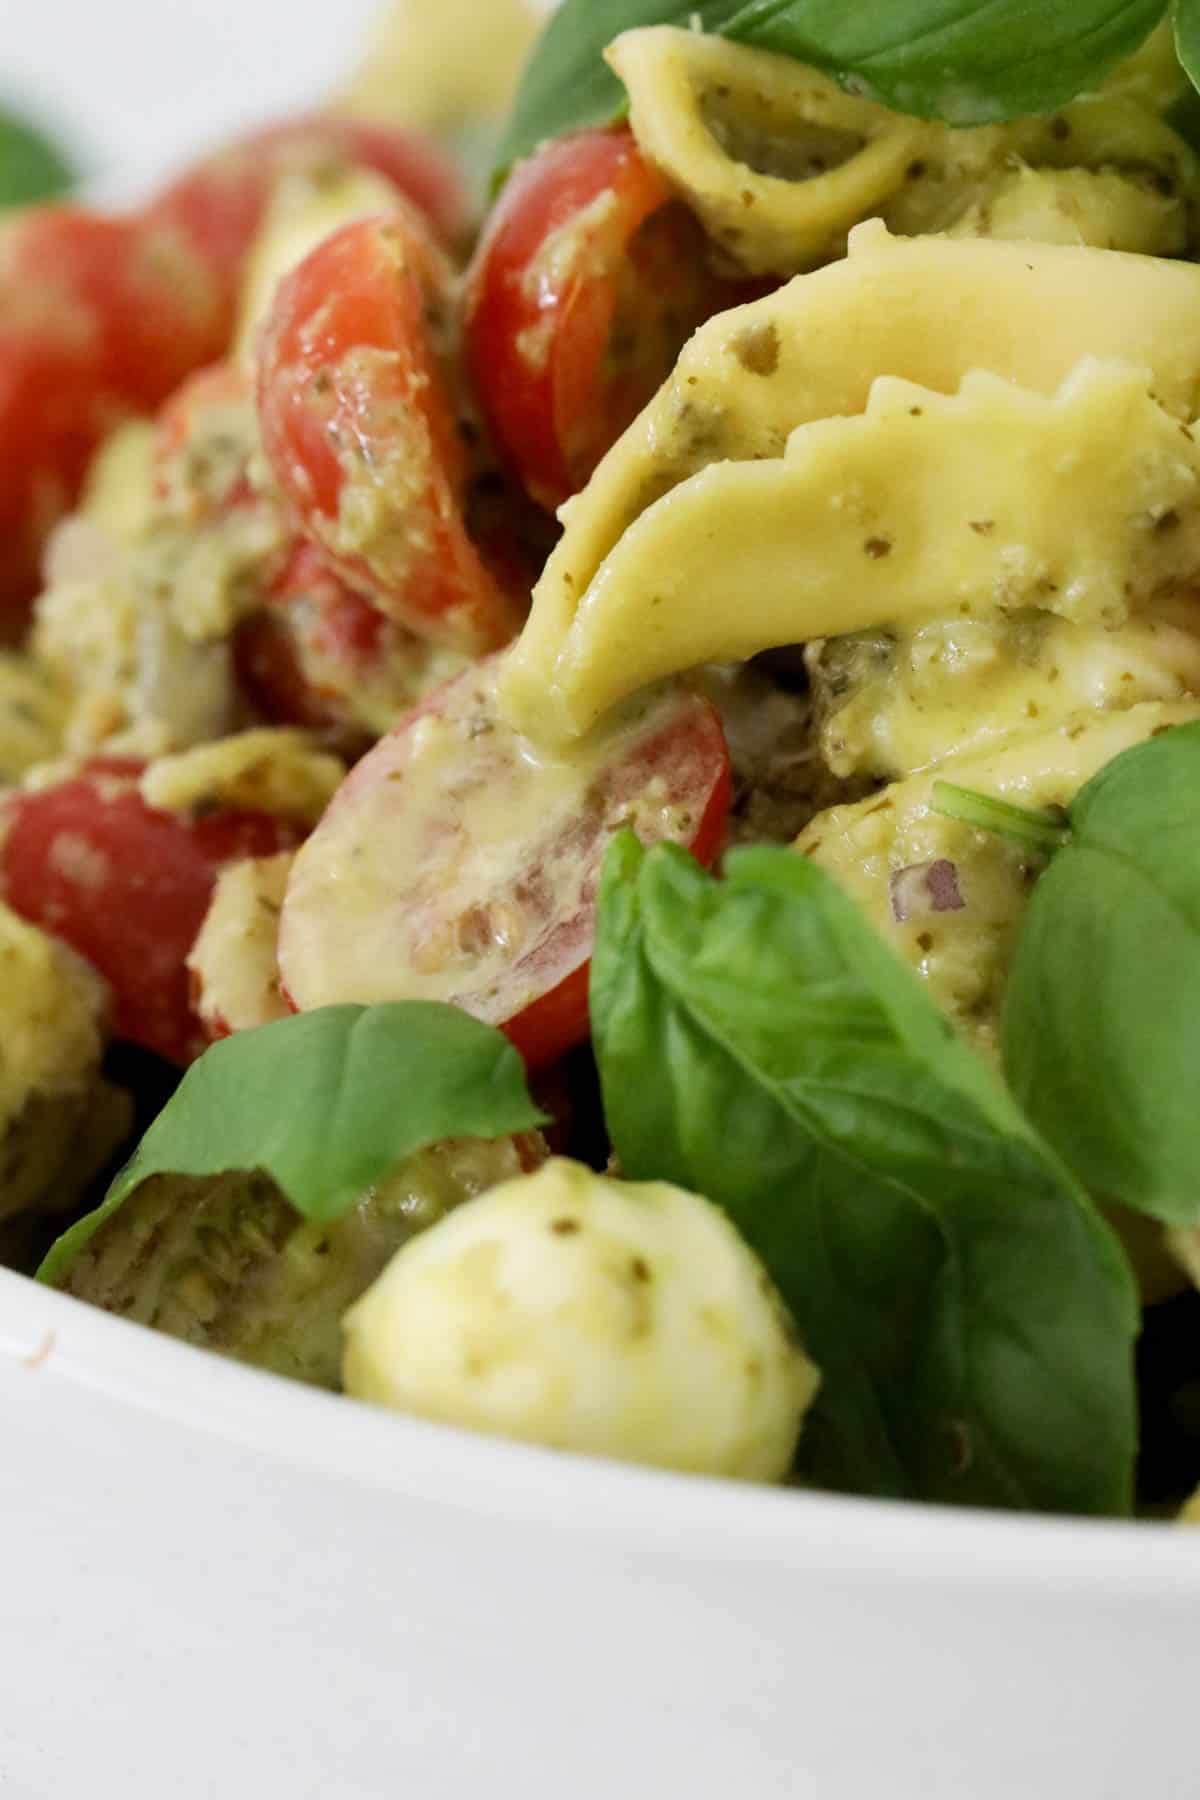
x: 217, y: 1582
x: 213, y: 1582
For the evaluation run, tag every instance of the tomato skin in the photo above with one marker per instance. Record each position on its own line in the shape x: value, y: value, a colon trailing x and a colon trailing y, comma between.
x: 218, y: 205
x: 357, y: 419
x: 127, y: 887
x: 98, y: 317
x: 586, y: 260
x: 454, y: 864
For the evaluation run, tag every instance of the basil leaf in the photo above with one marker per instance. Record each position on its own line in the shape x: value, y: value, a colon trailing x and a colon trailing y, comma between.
x: 567, y: 84
x: 1187, y: 48
x: 327, y: 1103
x: 967, y: 61
x: 32, y: 167
x: 1102, y: 1018
x: 972, y: 1317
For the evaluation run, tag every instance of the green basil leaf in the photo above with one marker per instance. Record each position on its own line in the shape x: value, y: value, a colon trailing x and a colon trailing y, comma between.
x: 327, y: 1103
x: 1102, y: 1017
x: 32, y: 166
x: 1187, y: 48
x: 967, y: 61
x: 567, y: 84
x: 972, y: 1316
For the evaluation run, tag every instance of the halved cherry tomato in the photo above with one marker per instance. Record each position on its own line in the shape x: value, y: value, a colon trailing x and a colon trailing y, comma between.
x: 321, y: 655
x: 204, y: 439
x: 358, y: 424
x: 127, y: 887
x: 456, y: 863
x: 219, y: 204
x: 98, y: 317
x: 586, y: 284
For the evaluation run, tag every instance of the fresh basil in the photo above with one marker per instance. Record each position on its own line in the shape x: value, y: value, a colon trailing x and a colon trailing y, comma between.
x: 1187, y: 48
x: 327, y: 1103
x: 32, y: 166
x: 972, y: 1316
x: 966, y: 61
x: 1102, y: 1017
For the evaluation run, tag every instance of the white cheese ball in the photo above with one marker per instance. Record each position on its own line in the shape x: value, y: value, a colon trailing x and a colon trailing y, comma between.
x: 565, y: 1308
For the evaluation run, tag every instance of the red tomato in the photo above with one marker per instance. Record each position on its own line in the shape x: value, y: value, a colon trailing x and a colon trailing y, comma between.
x: 204, y: 438
x: 587, y: 282
x: 103, y: 316
x: 219, y: 205
x: 359, y: 428
x: 127, y: 887
x: 320, y: 655
x: 98, y: 317
x: 455, y: 863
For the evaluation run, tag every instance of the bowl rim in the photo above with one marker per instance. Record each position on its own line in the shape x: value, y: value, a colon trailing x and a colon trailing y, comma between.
x: 49, y: 1334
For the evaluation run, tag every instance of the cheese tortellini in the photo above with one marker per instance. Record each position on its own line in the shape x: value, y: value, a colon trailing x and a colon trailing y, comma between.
x: 59, y: 1120
x: 929, y: 426
x: 960, y: 940
x: 780, y: 163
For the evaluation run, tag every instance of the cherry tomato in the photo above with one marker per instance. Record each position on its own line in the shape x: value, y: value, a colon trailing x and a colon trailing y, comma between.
x: 321, y: 655
x: 98, y: 317
x: 204, y: 439
x: 456, y: 863
x: 587, y: 282
x: 127, y: 887
x: 358, y: 423
x: 219, y: 204
x: 101, y: 316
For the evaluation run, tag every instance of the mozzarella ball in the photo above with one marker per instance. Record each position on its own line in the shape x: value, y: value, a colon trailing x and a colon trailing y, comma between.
x: 565, y: 1308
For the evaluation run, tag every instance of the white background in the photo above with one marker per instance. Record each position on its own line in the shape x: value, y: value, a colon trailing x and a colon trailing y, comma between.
x: 131, y: 82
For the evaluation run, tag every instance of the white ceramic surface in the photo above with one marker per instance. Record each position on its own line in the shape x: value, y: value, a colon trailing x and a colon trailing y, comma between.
x: 218, y: 1583
x: 130, y: 79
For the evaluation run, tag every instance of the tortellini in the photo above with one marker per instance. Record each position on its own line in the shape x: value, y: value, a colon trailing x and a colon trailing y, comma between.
x: 32, y: 715
x: 438, y: 64
x: 961, y: 943
x: 774, y: 157
x: 234, y: 964
x: 950, y: 899
x: 271, y: 769
x: 892, y: 701
x: 687, y: 545
x: 780, y: 163
x: 58, y: 1119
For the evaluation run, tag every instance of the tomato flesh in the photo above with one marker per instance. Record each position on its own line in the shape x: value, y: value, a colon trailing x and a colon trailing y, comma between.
x: 457, y: 864
x: 358, y: 425
x: 127, y: 887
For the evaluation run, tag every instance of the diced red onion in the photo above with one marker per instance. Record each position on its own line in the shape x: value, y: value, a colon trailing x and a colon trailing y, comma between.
x: 930, y: 887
